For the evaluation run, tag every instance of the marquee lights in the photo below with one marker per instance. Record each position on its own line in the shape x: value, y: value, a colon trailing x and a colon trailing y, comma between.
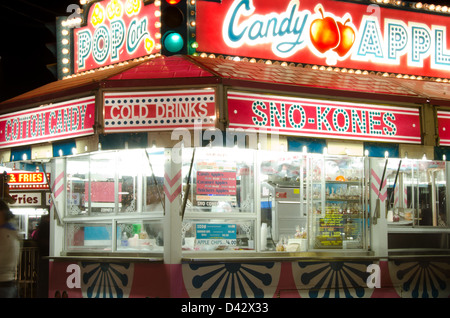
x: 111, y: 66
x: 323, y: 68
x: 174, y: 41
x: 63, y: 43
x: 389, y: 42
x: 72, y: 22
x: 115, y: 30
x: 414, y: 5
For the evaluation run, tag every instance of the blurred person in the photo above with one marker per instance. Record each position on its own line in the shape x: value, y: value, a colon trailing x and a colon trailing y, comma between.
x: 42, y: 237
x: 9, y: 253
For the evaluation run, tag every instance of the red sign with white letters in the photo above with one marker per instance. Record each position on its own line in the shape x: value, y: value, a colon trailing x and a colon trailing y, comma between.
x: 69, y: 119
x: 321, y: 118
x: 213, y: 183
x: 349, y: 35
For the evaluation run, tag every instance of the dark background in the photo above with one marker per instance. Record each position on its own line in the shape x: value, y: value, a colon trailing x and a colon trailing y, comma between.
x: 23, y: 37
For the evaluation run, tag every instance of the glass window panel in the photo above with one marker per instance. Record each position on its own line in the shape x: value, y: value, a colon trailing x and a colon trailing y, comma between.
x: 102, y: 190
x: 283, y: 204
x: 416, y: 193
x: 77, y: 178
x: 153, y: 168
x: 222, y: 179
x: 431, y: 193
x: 401, y: 195
x: 337, y: 202
x: 143, y: 236
x: 419, y: 206
x: 88, y: 237
x: 129, y: 169
x: 103, y: 186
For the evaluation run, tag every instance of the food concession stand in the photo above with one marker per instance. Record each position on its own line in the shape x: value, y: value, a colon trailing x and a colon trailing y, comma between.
x: 285, y: 149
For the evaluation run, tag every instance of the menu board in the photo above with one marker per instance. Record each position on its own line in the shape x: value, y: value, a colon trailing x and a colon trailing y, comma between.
x: 215, y: 183
x: 216, y: 234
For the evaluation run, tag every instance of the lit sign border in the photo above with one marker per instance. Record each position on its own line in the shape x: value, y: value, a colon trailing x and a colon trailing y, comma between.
x: 238, y: 20
x: 116, y: 31
x: 17, y: 183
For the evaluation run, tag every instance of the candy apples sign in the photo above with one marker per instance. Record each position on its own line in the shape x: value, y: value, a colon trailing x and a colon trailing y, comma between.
x: 327, y: 32
x: 116, y: 30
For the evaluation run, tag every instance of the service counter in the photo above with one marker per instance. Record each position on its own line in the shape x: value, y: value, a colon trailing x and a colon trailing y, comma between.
x: 278, y: 257
x: 109, y: 258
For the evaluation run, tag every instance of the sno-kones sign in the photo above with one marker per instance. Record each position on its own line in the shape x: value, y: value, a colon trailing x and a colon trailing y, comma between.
x: 116, y: 30
x: 69, y: 119
x: 326, y: 32
x: 323, y: 118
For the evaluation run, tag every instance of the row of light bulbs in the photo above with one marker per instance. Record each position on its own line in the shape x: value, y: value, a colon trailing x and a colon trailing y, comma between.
x: 269, y: 62
x: 111, y: 66
x: 322, y: 67
x: 415, y: 5
x: 399, y: 3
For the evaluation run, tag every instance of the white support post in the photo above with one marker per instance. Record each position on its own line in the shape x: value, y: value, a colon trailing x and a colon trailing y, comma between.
x: 379, y: 234
x: 57, y: 204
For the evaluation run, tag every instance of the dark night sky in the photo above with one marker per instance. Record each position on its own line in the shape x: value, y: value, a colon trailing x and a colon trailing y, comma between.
x: 23, y: 35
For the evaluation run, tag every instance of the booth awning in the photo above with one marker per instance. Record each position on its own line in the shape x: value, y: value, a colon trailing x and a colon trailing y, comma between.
x: 189, y: 70
x: 63, y: 89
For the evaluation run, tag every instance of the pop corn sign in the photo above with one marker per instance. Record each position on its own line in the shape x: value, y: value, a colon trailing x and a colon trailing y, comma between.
x: 351, y: 35
x: 116, y: 30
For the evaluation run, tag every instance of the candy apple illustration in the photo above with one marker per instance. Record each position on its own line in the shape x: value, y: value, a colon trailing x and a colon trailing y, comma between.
x: 347, y: 38
x: 324, y: 33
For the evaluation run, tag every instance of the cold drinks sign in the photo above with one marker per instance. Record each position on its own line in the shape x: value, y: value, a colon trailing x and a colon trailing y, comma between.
x: 326, y: 32
x: 140, y: 111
